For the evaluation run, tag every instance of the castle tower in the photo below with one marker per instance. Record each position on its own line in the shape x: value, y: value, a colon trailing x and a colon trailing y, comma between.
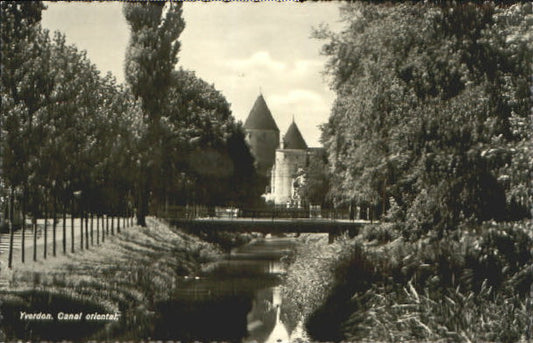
x: 293, y: 139
x: 291, y: 157
x: 262, y: 134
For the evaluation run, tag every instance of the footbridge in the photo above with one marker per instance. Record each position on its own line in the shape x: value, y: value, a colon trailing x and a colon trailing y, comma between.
x: 334, y: 227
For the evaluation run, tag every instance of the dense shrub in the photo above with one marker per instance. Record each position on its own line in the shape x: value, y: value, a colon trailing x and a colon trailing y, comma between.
x: 466, y: 285
x: 381, y: 233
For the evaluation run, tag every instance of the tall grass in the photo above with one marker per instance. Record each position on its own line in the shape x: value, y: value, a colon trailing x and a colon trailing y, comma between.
x: 404, y: 314
x: 470, y: 285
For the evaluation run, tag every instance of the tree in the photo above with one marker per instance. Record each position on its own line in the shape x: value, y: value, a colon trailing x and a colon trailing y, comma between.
x: 23, y: 80
x: 204, y: 147
x: 427, y: 99
x: 65, y: 129
x: 150, y: 59
x: 316, y: 184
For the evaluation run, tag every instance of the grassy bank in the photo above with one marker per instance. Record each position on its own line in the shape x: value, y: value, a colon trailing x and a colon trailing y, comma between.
x: 471, y: 285
x: 130, y: 273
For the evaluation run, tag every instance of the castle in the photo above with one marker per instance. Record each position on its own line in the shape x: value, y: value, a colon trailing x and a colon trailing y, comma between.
x: 279, y: 160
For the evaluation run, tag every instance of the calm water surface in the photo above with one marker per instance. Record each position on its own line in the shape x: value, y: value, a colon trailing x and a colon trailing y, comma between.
x: 238, y: 299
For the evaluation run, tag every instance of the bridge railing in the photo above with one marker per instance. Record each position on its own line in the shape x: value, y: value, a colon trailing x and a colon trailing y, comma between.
x: 193, y: 212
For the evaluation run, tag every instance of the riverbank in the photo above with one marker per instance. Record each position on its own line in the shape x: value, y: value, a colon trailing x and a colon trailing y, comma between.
x: 129, y: 273
x: 471, y: 285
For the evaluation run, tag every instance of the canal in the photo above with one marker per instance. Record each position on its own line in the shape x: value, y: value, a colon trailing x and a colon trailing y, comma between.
x: 238, y: 299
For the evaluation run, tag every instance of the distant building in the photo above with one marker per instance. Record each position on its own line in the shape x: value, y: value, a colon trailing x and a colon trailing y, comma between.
x: 281, y: 161
x: 262, y: 135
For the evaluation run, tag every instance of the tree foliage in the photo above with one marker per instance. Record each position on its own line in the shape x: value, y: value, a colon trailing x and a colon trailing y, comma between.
x: 150, y: 60
x: 73, y: 140
x: 315, y: 184
x: 432, y: 110
x: 61, y: 120
x: 205, y: 154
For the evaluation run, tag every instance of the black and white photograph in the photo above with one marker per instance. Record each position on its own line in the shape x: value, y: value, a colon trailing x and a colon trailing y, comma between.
x: 266, y: 171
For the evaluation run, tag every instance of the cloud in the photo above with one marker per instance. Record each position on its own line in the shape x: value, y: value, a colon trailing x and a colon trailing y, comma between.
x: 296, y: 96
x: 309, y: 108
x: 260, y: 61
x: 261, y: 69
x: 291, y: 87
x: 240, y: 48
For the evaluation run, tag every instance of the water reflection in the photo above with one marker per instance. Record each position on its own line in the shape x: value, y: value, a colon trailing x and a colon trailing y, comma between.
x: 265, y: 322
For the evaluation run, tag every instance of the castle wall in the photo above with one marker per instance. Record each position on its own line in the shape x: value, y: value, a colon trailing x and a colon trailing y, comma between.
x: 263, y: 145
x: 288, y: 161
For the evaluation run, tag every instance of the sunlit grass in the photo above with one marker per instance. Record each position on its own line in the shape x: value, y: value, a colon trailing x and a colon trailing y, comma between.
x: 130, y: 271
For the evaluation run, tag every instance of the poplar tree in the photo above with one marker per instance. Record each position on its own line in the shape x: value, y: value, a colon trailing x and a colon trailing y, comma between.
x: 151, y: 56
x: 24, y: 81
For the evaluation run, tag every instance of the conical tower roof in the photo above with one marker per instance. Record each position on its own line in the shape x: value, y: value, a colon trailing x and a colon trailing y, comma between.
x: 293, y: 138
x: 260, y: 117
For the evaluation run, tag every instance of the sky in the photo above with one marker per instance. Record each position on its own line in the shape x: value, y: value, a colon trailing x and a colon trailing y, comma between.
x: 243, y: 48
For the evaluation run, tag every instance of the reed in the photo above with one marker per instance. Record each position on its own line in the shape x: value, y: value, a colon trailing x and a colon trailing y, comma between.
x: 468, y: 285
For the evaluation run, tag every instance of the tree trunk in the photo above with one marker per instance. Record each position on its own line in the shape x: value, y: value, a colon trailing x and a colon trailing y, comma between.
x: 118, y: 224
x: 34, y: 227
x: 106, y: 228
x: 72, y: 225
x: 112, y: 225
x: 45, y: 251
x: 23, y: 240
x: 384, y: 199
x: 64, y: 228
x: 81, y: 229
x: 11, y: 231
x: 86, y: 215
x: 166, y: 203
x: 142, y: 201
x: 34, y: 211
x: 54, y: 228
x: 97, y: 229
x: 92, y: 232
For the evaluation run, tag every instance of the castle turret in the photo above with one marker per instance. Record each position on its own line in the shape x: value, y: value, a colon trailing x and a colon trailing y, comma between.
x: 293, y: 139
x: 289, y: 159
x: 262, y: 134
